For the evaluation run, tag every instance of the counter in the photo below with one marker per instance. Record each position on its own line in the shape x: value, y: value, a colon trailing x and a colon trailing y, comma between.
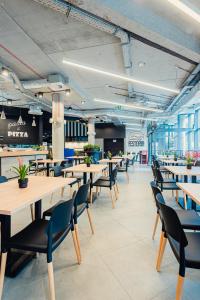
x: 8, y: 159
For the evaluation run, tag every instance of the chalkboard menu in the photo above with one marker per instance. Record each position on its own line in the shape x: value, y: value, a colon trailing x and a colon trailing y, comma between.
x: 11, y: 132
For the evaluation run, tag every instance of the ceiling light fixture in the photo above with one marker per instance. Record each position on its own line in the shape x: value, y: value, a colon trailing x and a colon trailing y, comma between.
x: 67, y: 92
x: 4, y: 72
x: 123, y: 77
x: 186, y: 9
x: 40, y: 95
x: 128, y: 105
x: 33, y: 123
x: 132, y: 124
x: 131, y: 117
x: 3, y: 115
x: 9, y: 102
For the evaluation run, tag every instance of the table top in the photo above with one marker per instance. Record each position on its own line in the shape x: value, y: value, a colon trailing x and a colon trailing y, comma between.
x: 192, y: 190
x: 77, y: 157
x: 48, y: 161
x: 122, y: 157
x: 172, y: 161
x: 182, y: 170
x: 113, y: 160
x: 14, y: 199
x: 94, y: 168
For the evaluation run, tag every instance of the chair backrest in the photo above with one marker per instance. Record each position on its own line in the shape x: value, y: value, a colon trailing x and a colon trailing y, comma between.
x: 82, y: 194
x: 114, y: 175
x: 172, y: 225
x: 32, y: 163
x: 156, y: 191
x: 59, y: 222
x: 153, y: 171
x: 3, y: 179
x: 57, y: 171
x: 158, y: 175
x: 197, y: 163
x: 156, y: 163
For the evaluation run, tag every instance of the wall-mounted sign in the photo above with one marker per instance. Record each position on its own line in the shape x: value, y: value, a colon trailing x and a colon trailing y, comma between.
x: 136, y: 140
x: 14, y: 133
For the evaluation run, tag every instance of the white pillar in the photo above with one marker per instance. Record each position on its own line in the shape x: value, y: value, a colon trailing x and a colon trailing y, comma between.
x: 58, y: 126
x: 91, y: 131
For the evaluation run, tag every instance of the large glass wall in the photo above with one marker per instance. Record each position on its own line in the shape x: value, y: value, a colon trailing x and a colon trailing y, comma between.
x: 181, y: 137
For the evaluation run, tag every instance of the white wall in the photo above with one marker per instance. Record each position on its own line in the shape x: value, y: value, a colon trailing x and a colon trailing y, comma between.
x: 130, y: 134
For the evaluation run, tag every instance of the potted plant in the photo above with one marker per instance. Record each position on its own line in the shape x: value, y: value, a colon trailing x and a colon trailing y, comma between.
x: 109, y: 155
x: 120, y: 153
x: 22, y: 172
x: 189, y: 162
x: 88, y: 161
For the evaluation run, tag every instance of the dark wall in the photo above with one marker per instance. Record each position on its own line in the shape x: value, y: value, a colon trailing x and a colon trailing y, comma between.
x: 13, y: 133
x: 109, y: 131
x: 113, y: 145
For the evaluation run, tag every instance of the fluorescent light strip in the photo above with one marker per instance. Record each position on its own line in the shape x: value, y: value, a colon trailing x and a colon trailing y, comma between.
x: 132, y: 124
x: 126, y: 78
x: 127, y: 105
x: 186, y: 9
x: 130, y: 117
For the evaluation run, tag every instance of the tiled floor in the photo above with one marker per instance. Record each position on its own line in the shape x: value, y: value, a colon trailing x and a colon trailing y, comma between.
x: 118, y: 261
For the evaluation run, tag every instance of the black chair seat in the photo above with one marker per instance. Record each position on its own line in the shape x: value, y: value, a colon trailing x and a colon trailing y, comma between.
x: 169, y: 186
x: 34, y: 237
x: 104, y: 178
x: 192, y: 253
x: 189, y: 219
x: 103, y: 183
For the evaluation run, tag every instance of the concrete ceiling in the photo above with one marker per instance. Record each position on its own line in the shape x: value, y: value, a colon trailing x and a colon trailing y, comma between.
x: 34, y: 40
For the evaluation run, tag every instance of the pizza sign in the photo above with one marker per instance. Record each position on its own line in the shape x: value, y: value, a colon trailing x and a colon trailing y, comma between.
x: 136, y: 140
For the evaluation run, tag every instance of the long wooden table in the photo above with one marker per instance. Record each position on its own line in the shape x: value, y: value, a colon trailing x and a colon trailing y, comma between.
x: 14, y: 199
x: 183, y: 171
x: 192, y: 190
x: 173, y: 162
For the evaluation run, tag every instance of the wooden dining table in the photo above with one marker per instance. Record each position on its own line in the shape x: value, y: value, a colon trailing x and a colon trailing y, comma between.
x: 110, y: 162
x: 191, y: 190
x: 82, y: 168
x: 173, y: 162
x: 15, y: 199
x: 48, y: 162
x: 183, y: 171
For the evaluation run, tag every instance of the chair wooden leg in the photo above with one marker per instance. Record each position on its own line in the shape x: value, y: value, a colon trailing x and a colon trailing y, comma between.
x: 91, y: 196
x: 127, y: 176
x: 32, y: 212
x: 77, y: 239
x: 155, y: 226
x: 62, y: 191
x: 177, y: 196
x: 185, y: 201
x: 113, y: 201
x: 116, y: 196
x: 179, y: 287
x: 90, y: 220
x: 51, y: 281
x: 2, y: 271
x: 117, y: 187
x: 76, y: 247
x: 161, y: 252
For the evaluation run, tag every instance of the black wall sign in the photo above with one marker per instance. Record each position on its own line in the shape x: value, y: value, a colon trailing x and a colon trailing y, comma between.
x: 13, y: 133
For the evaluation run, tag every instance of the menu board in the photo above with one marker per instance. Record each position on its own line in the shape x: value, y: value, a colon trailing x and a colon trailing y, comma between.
x: 11, y: 132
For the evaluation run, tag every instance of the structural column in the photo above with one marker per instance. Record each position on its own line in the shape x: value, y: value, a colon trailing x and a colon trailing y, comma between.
x: 58, y: 126
x: 91, y: 131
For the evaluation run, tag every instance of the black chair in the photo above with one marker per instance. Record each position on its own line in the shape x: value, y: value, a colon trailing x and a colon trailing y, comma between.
x: 189, y: 218
x: 43, y: 236
x: 80, y: 205
x: 197, y: 163
x: 185, y: 245
x: 111, y: 184
x: 166, y: 184
x: 3, y: 179
x: 161, y: 168
x: 124, y: 169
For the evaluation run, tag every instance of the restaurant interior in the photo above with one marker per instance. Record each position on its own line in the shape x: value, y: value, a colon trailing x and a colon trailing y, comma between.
x: 100, y: 150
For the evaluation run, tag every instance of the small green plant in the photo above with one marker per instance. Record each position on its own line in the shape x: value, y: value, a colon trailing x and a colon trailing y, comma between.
x: 21, y: 170
x: 189, y: 160
x: 120, y: 153
x: 88, y: 160
x: 109, y: 155
x: 91, y: 147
